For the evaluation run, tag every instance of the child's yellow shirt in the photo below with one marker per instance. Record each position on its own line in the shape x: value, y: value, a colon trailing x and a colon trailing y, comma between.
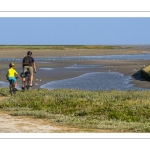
x: 11, y: 72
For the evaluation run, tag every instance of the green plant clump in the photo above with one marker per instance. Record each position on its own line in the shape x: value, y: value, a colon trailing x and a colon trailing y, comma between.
x: 145, y: 72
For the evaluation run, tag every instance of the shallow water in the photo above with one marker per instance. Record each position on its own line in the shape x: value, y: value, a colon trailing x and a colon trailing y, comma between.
x: 113, y: 57
x: 102, y: 57
x: 75, y: 66
x: 94, y: 81
x: 90, y: 81
x: 4, y: 84
x: 46, y: 68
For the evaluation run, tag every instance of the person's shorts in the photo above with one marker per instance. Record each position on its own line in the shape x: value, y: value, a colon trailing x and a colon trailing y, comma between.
x: 10, y: 79
x: 28, y: 68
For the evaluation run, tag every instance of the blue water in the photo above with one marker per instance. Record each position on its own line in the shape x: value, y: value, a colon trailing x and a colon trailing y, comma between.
x: 104, y: 57
x: 4, y: 84
x: 93, y: 82
x: 112, y: 57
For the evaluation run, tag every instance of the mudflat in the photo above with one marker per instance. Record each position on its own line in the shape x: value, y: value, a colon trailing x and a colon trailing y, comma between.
x: 126, y: 67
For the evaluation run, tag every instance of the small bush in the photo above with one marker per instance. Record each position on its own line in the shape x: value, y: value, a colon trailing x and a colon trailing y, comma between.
x: 145, y: 72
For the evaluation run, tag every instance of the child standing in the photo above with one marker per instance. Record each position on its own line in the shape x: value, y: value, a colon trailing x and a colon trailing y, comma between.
x: 11, y: 72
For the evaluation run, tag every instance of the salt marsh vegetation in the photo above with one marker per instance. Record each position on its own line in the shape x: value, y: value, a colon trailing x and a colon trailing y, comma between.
x: 119, y: 111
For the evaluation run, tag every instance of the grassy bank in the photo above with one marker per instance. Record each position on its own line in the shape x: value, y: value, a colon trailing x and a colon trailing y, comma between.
x: 61, y: 47
x: 119, y: 111
x: 145, y: 72
x: 31, y: 47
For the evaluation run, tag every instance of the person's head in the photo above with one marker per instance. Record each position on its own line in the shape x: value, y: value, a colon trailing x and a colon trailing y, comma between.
x: 29, y: 53
x: 11, y: 65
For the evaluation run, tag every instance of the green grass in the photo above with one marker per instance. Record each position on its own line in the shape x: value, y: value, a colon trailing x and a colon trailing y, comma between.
x: 123, y: 111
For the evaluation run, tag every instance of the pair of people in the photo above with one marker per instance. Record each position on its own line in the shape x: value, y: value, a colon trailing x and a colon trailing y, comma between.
x: 28, y: 64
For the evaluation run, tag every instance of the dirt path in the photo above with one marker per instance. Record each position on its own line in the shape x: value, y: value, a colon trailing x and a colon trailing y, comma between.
x: 23, y: 124
x: 11, y: 124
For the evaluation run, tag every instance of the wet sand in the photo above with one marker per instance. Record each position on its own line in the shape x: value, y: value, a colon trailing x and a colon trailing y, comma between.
x: 126, y: 67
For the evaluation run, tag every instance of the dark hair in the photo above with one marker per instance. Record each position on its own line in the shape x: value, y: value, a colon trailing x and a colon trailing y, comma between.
x: 29, y: 53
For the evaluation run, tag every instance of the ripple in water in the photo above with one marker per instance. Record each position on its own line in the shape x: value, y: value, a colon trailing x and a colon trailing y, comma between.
x: 75, y: 66
x: 94, y: 81
x: 46, y: 68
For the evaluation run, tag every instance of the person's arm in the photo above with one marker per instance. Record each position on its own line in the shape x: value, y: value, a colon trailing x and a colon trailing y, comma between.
x: 16, y: 73
x: 34, y: 66
x: 7, y: 75
x: 22, y: 62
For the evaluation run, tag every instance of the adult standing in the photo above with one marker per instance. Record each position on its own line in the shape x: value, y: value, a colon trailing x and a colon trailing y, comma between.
x: 28, y: 64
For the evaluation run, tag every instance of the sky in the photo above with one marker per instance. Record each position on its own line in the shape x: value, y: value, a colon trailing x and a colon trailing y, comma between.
x: 74, y: 31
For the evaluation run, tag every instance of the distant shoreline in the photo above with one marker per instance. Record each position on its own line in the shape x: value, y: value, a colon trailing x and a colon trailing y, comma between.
x: 59, y: 51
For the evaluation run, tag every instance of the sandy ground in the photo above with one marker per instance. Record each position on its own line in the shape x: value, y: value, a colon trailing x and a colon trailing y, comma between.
x: 32, y: 125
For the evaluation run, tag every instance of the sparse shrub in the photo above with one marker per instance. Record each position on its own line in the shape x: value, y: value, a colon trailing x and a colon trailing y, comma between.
x: 145, y: 72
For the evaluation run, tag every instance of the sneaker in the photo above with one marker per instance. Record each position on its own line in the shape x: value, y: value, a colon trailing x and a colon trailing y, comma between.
x: 22, y: 88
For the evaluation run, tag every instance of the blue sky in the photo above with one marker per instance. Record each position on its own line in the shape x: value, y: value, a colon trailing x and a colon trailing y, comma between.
x: 74, y: 31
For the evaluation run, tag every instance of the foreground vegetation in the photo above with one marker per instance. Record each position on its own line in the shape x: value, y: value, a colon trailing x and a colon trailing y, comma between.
x: 118, y: 111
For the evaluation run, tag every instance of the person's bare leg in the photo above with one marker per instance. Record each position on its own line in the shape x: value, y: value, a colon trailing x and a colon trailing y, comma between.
x: 23, y: 80
x: 15, y: 84
x: 31, y: 79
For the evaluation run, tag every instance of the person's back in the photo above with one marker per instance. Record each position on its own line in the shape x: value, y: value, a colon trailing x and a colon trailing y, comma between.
x: 11, y: 72
x: 28, y: 61
x: 28, y: 64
